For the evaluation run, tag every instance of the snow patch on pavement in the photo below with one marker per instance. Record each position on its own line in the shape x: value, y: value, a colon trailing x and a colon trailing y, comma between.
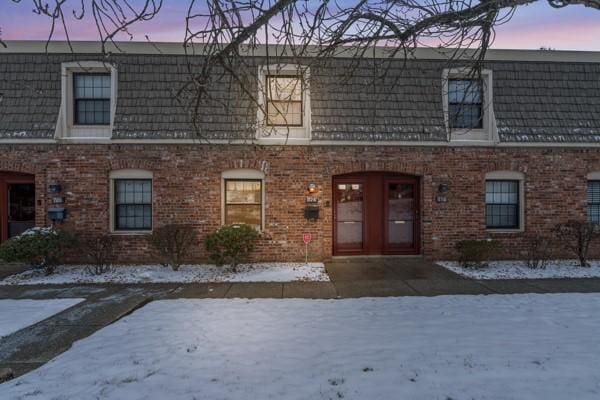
x: 263, y: 272
x: 18, y: 314
x: 519, y: 270
x: 447, y: 347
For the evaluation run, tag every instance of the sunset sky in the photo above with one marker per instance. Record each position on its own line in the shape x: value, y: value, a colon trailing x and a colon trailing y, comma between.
x: 570, y: 28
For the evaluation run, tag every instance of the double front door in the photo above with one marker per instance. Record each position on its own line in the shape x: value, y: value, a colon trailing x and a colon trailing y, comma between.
x: 376, y: 213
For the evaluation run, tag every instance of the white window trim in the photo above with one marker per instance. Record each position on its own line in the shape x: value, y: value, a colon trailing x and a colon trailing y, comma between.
x: 594, y: 176
x: 127, y: 174
x: 242, y: 174
x: 65, y: 128
x: 489, y: 132
x: 509, y: 176
x: 282, y: 134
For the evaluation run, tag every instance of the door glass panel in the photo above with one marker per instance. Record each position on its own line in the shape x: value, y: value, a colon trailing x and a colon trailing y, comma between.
x: 349, y: 216
x: 21, y: 208
x: 400, y: 218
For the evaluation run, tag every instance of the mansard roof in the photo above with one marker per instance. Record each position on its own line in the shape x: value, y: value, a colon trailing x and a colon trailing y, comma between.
x: 538, y: 96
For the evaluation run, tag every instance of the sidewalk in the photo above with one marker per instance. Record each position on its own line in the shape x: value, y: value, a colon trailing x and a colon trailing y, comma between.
x: 349, y: 278
x: 35, y: 345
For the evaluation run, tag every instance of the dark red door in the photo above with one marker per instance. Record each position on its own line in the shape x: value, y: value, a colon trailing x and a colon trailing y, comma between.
x: 401, y: 228
x: 17, y: 204
x: 349, y: 203
x: 375, y: 213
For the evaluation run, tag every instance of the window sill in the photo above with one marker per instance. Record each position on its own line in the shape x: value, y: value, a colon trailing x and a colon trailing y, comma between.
x: 470, y: 135
x: 283, y: 141
x: 515, y: 230
x: 131, y: 233
x: 471, y: 142
x: 91, y: 126
x: 84, y: 138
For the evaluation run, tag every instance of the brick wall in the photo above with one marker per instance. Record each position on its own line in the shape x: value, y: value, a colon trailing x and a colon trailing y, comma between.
x: 187, y: 188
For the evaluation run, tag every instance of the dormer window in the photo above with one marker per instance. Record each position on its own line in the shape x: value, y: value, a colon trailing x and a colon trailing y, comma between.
x: 465, y: 104
x: 283, y: 104
x: 88, y: 100
x: 91, y: 99
x: 468, y: 105
x: 284, y: 100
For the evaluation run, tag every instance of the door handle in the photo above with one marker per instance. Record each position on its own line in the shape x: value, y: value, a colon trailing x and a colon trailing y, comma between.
x: 348, y: 222
x: 399, y: 222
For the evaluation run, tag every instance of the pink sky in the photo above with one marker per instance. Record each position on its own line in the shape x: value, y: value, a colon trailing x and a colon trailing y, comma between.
x: 571, y: 28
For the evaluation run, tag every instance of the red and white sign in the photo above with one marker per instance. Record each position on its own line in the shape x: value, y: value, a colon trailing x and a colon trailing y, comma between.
x: 307, y: 237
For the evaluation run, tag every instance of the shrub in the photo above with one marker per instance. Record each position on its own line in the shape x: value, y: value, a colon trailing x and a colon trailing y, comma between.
x: 576, y: 236
x: 231, y: 244
x: 538, y: 250
x: 476, y: 253
x: 173, y: 243
x: 100, y: 252
x: 39, y: 247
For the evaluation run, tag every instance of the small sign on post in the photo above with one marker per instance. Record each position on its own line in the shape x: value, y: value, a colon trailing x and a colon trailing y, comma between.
x: 306, y: 237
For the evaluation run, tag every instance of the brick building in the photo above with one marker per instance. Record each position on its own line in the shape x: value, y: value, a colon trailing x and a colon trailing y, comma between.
x: 405, y: 164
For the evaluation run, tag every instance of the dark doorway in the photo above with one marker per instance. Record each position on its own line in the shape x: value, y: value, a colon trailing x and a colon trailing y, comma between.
x: 376, y: 213
x: 17, y: 204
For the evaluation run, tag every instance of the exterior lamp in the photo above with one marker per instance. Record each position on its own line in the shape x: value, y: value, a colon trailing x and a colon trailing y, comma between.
x: 312, y: 188
x: 54, y: 187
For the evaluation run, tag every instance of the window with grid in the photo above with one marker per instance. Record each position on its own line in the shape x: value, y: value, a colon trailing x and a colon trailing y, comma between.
x: 91, y: 99
x: 243, y: 202
x: 594, y: 202
x: 465, y: 104
x: 502, y: 204
x: 284, y: 100
x: 133, y: 204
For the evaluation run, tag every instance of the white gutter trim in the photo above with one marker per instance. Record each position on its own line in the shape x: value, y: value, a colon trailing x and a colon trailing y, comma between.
x: 313, y: 143
x: 157, y: 48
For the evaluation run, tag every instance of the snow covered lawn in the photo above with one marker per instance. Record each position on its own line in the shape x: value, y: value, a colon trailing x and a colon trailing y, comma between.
x: 518, y: 270
x: 19, y: 314
x: 447, y: 347
x: 265, y: 272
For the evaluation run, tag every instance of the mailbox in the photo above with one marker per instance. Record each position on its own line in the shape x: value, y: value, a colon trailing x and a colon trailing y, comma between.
x: 56, y: 214
x: 311, y: 212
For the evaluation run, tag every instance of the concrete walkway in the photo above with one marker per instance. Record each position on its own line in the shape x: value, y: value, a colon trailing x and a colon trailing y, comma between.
x: 35, y: 345
x: 416, y: 277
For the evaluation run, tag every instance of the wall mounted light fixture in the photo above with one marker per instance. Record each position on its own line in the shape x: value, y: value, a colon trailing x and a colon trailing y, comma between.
x: 54, y: 187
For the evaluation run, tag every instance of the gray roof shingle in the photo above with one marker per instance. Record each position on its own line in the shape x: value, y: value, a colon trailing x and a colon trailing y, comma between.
x: 533, y: 101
